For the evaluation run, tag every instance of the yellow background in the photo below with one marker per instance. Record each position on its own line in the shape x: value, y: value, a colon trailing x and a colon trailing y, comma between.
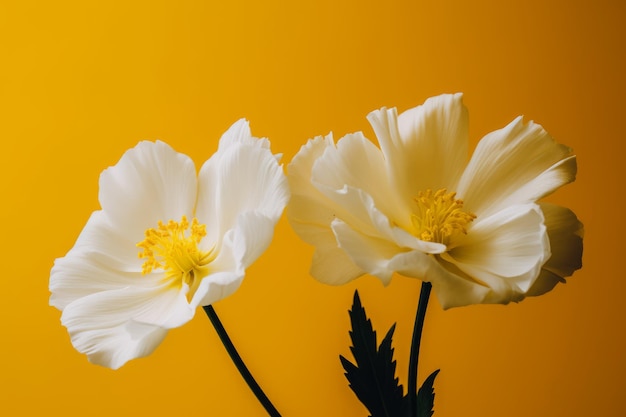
x: 82, y: 82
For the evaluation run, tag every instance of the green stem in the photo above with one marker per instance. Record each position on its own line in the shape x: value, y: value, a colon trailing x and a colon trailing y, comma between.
x: 415, y: 346
x: 241, y: 367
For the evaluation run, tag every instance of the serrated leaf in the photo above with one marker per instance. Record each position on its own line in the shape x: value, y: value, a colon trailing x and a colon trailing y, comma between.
x: 372, y: 376
x: 425, y: 398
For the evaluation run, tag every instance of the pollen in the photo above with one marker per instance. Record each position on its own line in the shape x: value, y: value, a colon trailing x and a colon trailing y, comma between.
x: 173, y: 247
x: 439, y: 216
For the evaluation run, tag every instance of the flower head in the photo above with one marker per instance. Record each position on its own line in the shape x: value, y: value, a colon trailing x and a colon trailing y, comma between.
x: 166, y: 241
x: 415, y: 206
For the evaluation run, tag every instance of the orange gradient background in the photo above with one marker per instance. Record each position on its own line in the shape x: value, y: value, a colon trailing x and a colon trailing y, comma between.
x: 82, y: 82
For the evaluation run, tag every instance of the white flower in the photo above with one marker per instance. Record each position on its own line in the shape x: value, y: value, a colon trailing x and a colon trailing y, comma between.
x: 417, y: 207
x: 195, y: 236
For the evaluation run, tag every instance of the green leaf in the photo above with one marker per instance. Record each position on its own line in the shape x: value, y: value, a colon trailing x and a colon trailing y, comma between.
x: 425, y: 398
x: 372, y: 376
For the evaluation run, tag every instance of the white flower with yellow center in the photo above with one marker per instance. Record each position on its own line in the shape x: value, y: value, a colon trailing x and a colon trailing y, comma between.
x: 166, y: 241
x: 417, y: 207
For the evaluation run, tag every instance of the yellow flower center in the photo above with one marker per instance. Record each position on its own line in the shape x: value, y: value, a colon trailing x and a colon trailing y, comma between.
x: 439, y: 216
x: 171, y: 247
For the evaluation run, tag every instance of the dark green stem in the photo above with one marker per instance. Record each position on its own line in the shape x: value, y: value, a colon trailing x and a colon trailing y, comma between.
x: 415, y: 346
x: 241, y: 367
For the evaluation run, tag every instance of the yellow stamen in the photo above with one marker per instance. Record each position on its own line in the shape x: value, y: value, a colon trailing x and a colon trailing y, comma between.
x: 439, y: 216
x: 170, y: 248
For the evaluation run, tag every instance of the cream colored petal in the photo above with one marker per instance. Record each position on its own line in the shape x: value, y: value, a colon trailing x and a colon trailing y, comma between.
x: 332, y: 265
x: 381, y: 259
x: 425, y: 147
x: 515, y: 165
x: 112, y: 327
x: 353, y: 177
x: 310, y: 214
x: 370, y: 254
x: 358, y: 164
x: 504, y: 252
x: 241, y: 177
x: 452, y: 286
x: 151, y: 182
x: 368, y: 220
x: 308, y: 206
x: 326, y: 183
x: 566, y: 241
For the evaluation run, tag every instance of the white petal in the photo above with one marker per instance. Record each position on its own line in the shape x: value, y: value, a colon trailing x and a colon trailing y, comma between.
x: 566, y: 242
x: 239, y: 134
x: 112, y: 327
x: 227, y: 273
x: 151, y: 182
x: 310, y: 214
x: 216, y: 287
x: 251, y: 236
x: 239, y: 178
x: 515, y: 165
x: 100, y: 239
x: 504, y: 251
x: 102, y: 259
x: 425, y: 147
x: 79, y: 274
x: 113, y: 347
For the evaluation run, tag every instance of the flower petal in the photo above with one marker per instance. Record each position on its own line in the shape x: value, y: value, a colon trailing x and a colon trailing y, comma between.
x: 566, y: 241
x: 332, y: 183
x: 380, y: 258
x: 241, y: 177
x: 372, y: 222
x: 99, y: 238
x: 504, y: 252
x: 102, y: 259
x: 425, y: 147
x: 515, y: 165
x: 80, y: 274
x: 239, y: 134
x: 357, y: 163
x: 452, y: 286
x: 112, y: 327
x: 241, y: 246
x: 251, y: 237
x: 217, y: 286
x: 227, y: 270
x: 310, y: 214
x: 370, y: 254
x: 151, y: 182
x: 347, y: 174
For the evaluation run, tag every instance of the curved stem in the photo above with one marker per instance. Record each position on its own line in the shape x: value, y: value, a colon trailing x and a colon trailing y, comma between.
x: 241, y: 367
x: 415, y: 346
